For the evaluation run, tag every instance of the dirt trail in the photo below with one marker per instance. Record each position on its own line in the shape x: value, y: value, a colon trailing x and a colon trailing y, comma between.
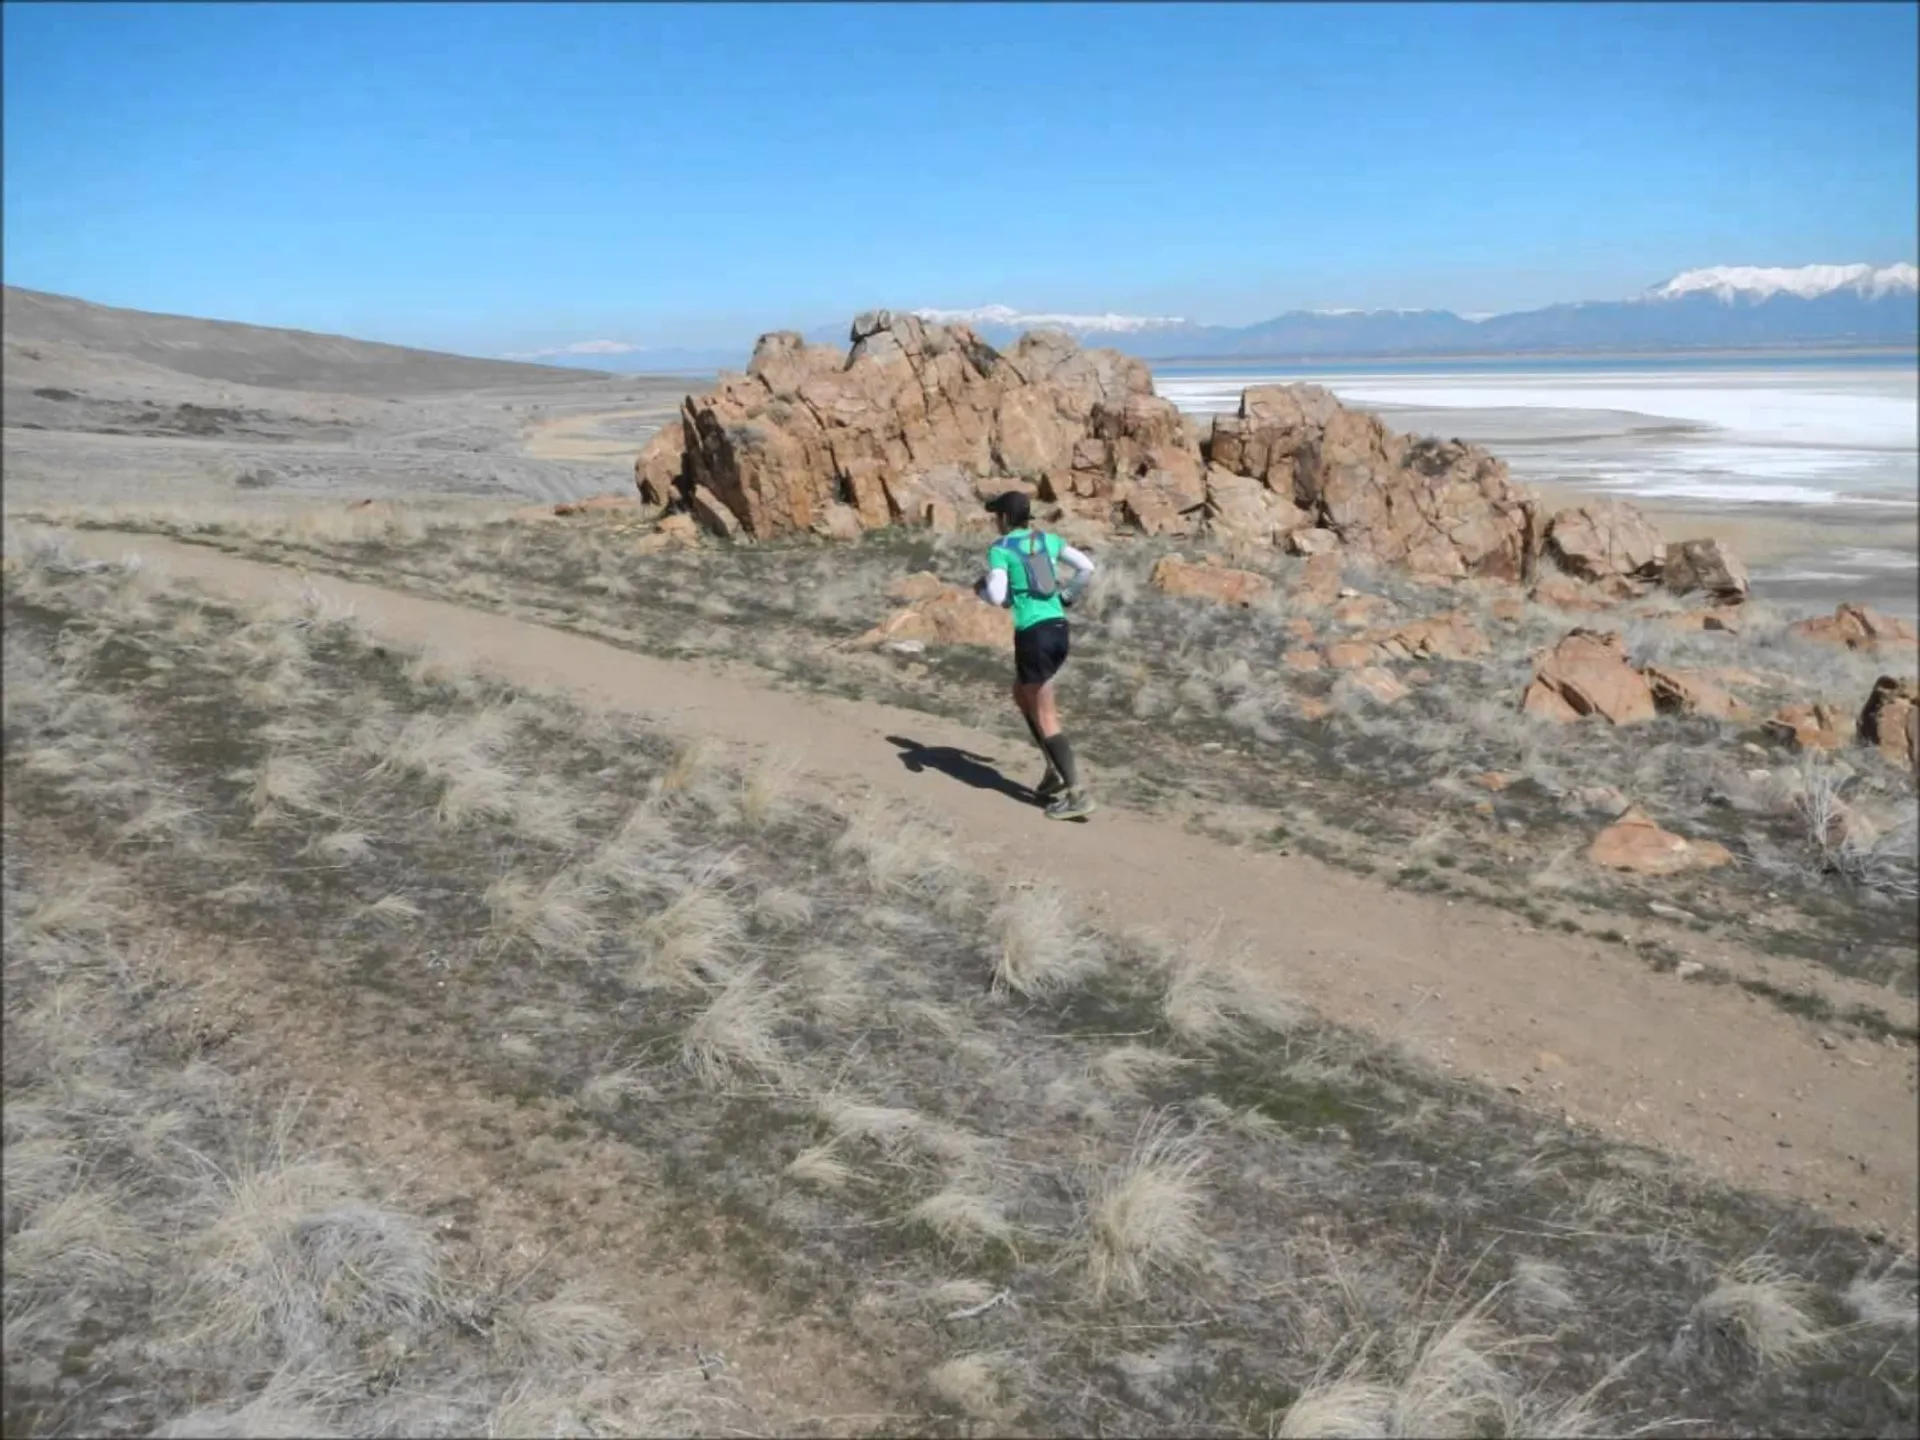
x: 1748, y: 1093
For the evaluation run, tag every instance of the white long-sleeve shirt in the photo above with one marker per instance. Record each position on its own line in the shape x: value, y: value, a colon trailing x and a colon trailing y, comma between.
x: 995, y: 591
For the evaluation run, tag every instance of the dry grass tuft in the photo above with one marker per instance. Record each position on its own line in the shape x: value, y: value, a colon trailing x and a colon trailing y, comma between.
x: 684, y: 944
x: 1214, y: 993
x: 1889, y: 1300
x: 1145, y: 1216
x: 1758, y: 1313
x: 820, y: 1165
x: 738, y: 1033
x: 1125, y: 1068
x: 978, y: 1385
x: 554, y: 918
x: 964, y: 1218
x: 1040, y: 947
x: 574, y: 1328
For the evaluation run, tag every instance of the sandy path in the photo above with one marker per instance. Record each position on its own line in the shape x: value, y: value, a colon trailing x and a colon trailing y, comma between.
x: 1750, y: 1094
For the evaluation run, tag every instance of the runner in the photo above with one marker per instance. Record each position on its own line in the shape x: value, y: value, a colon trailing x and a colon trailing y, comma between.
x: 1022, y: 572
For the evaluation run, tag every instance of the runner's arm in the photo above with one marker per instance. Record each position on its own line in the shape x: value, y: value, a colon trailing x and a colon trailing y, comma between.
x: 1082, y: 565
x: 993, y: 589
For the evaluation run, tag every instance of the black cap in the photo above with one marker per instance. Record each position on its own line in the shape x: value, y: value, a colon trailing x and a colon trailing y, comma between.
x: 1012, y: 506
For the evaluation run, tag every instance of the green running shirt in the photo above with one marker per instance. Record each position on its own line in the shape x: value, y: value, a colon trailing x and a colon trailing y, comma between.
x: 1008, y: 554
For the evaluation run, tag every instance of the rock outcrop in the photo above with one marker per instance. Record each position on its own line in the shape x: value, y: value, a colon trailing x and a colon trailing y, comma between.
x: 1439, y: 509
x: 1587, y: 674
x: 916, y: 425
x: 1890, y: 721
x: 1690, y: 692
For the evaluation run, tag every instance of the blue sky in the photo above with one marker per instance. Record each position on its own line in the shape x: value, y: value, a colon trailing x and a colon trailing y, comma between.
x: 497, y: 177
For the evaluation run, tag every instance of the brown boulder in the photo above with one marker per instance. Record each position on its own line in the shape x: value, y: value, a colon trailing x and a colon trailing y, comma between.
x: 1562, y: 592
x: 1606, y: 540
x: 1302, y: 660
x: 1724, y: 619
x: 1816, y: 726
x: 1217, y: 583
x: 1313, y: 541
x: 1352, y: 654
x: 658, y: 471
x: 1634, y: 842
x: 1587, y: 674
x: 1890, y: 721
x: 921, y: 585
x: 1691, y: 692
x: 1706, y: 565
x: 1451, y: 636
x: 1857, y: 627
x: 1360, y: 609
x: 1378, y: 684
x: 949, y: 616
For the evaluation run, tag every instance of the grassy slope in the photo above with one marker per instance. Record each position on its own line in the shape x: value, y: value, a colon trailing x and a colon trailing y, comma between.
x: 1056, y: 1180
x: 1187, y: 705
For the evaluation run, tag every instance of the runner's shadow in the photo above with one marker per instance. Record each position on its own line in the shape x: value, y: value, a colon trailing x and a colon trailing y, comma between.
x: 961, y: 765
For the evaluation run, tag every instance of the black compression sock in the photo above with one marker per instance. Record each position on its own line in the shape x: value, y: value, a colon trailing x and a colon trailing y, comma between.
x: 1061, y: 754
x: 1033, y: 729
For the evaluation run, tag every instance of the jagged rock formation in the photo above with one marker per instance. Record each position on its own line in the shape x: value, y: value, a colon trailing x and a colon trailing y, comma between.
x: 918, y: 422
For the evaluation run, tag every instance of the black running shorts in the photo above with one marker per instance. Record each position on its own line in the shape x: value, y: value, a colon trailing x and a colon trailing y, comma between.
x: 1039, y: 651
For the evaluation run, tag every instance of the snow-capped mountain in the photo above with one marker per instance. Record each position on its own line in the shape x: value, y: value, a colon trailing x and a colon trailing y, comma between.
x: 1005, y: 316
x: 1732, y: 283
x: 1719, y: 307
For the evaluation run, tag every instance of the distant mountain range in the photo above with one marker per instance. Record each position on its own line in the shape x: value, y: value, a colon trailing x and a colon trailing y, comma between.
x: 1723, y: 307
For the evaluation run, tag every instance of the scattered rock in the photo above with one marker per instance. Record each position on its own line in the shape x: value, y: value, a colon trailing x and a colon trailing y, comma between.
x: 673, y: 532
x: 1360, y: 609
x: 1351, y: 654
x: 1815, y: 726
x: 1451, y: 636
x: 1858, y: 627
x: 1635, y: 843
x: 1563, y: 593
x: 1722, y: 619
x: 1687, y: 969
x: 1313, y: 541
x: 1379, y: 684
x: 921, y: 585
x: 1606, y: 540
x: 1174, y: 576
x: 1312, y: 707
x: 1890, y: 721
x: 1691, y: 692
x: 1706, y: 565
x: 1508, y: 609
x: 1302, y: 660
x: 950, y: 616
x: 1302, y: 630
x: 594, y: 504
x: 1495, y: 780
x: 1587, y: 674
